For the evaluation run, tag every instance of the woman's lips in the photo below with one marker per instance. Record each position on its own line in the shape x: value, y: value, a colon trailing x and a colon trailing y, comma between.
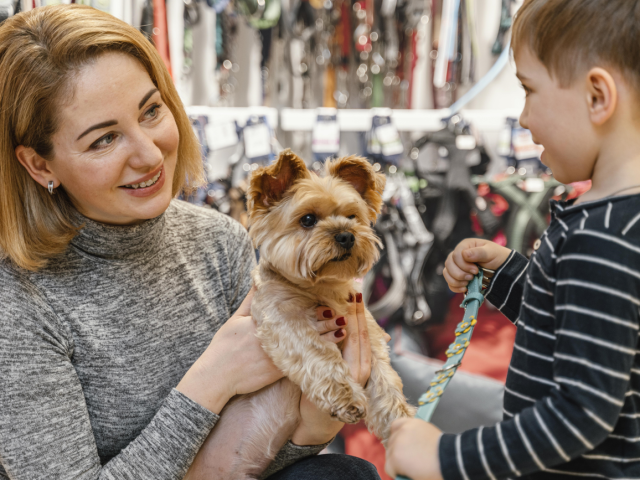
x: 146, y: 191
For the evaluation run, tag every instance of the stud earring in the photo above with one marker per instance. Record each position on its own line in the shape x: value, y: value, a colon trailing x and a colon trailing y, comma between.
x: 50, y: 187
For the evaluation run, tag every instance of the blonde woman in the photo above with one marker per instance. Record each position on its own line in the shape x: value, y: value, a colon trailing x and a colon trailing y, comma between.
x: 111, y: 291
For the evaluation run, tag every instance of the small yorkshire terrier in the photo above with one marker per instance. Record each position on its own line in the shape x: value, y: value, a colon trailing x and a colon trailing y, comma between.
x: 315, y: 237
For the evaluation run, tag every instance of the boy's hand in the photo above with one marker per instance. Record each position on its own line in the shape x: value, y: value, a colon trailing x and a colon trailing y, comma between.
x: 460, y: 266
x: 412, y: 450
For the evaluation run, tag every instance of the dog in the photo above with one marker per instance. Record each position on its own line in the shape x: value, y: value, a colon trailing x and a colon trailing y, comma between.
x: 315, y: 237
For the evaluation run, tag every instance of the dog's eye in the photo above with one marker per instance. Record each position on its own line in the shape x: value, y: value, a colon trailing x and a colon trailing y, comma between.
x: 351, y: 217
x: 308, y: 221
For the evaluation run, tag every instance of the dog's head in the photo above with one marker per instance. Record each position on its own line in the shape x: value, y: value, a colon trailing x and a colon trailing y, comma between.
x: 315, y: 228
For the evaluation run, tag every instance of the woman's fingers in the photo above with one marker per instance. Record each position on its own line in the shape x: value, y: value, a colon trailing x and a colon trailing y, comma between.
x: 324, y: 313
x: 335, y: 336
x: 331, y: 325
x: 365, y: 345
x: 351, y: 350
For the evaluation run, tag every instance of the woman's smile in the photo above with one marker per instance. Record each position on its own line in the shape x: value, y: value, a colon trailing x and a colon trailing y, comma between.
x: 147, y: 185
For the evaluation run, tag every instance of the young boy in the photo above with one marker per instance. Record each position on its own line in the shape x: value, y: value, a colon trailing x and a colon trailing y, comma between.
x: 572, y: 396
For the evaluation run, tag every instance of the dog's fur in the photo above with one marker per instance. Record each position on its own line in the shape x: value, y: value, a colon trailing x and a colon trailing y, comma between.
x: 301, y: 268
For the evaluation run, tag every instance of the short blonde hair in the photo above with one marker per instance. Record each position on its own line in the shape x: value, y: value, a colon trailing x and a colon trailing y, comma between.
x: 569, y: 36
x: 40, y: 53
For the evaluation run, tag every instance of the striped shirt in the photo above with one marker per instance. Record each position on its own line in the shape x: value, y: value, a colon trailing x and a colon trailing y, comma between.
x: 572, y: 395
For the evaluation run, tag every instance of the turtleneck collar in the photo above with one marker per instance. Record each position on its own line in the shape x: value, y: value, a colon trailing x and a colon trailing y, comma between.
x: 118, y: 242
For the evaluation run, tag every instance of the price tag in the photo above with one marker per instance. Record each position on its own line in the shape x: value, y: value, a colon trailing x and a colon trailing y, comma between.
x: 465, y: 142
x: 257, y: 140
x: 221, y: 135
x: 326, y: 137
x: 523, y: 145
x: 389, y: 139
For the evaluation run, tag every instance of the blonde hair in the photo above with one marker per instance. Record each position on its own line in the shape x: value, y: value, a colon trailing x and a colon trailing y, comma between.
x: 568, y: 36
x: 40, y: 53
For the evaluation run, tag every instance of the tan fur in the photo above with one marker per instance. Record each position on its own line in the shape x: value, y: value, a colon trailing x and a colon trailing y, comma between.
x: 296, y: 274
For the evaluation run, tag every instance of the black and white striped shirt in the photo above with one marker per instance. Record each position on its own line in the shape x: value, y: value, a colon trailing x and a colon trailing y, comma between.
x: 572, y: 395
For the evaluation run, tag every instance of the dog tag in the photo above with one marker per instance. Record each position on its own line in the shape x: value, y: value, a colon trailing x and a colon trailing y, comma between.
x: 221, y: 135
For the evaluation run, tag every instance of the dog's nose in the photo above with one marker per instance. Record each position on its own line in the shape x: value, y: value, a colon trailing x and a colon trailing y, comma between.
x: 346, y: 240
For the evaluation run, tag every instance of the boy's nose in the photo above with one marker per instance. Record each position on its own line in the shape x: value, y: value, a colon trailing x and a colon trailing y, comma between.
x: 346, y: 240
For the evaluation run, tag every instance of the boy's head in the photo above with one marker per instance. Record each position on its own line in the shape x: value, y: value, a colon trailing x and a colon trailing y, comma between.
x: 579, y: 63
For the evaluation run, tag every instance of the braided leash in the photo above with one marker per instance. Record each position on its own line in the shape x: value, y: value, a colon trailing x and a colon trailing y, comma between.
x: 471, y: 303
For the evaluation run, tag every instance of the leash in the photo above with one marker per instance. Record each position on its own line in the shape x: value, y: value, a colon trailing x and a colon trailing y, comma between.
x: 471, y: 303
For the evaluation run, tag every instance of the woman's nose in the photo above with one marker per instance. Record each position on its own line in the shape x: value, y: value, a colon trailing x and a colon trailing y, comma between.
x: 144, y: 152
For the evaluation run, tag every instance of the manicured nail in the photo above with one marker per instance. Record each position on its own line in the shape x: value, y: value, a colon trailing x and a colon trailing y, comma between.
x: 341, y: 322
x: 339, y: 333
x: 327, y: 314
x: 350, y: 298
x: 359, y: 297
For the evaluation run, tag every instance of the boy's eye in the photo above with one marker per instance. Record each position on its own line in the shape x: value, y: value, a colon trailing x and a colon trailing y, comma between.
x: 308, y: 220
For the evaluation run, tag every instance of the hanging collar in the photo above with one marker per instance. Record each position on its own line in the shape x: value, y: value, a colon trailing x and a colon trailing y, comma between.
x: 115, y: 242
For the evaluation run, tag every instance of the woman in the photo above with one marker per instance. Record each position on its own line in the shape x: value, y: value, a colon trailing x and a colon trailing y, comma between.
x: 111, y: 290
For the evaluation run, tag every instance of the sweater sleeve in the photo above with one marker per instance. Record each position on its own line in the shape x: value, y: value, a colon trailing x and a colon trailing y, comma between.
x: 44, y: 421
x: 505, y: 291
x: 290, y: 454
x: 242, y: 260
x: 596, y: 335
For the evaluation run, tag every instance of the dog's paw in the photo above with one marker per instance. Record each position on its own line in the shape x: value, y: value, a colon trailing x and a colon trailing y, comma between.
x: 350, y: 413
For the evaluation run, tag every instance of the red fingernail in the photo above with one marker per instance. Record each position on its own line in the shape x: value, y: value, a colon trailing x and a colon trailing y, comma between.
x: 327, y: 314
x: 350, y: 298
x: 339, y: 333
x: 341, y: 322
x: 359, y: 297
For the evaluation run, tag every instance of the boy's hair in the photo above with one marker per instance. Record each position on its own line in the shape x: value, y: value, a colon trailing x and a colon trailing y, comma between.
x: 569, y: 36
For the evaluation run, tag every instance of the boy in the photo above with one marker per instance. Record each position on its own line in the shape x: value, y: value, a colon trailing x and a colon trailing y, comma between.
x: 572, y: 396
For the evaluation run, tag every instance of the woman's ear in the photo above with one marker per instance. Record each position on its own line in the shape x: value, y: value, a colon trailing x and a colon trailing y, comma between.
x: 602, y: 95
x: 363, y: 178
x: 37, y: 166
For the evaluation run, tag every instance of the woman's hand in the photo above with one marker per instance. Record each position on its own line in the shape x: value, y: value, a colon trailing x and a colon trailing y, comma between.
x: 460, y: 266
x: 318, y: 427
x: 412, y: 450
x: 235, y: 359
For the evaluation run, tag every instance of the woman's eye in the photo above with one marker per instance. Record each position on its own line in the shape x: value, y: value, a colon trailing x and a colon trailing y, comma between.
x: 104, y: 141
x: 153, y: 111
x: 308, y: 221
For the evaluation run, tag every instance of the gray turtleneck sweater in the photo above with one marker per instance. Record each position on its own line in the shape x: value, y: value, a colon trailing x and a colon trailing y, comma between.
x: 92, y: 346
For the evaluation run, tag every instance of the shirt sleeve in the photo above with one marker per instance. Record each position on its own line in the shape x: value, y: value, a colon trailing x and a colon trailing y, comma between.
x: 596, y: 335
x: 505, y: 291
x: 44, y: 421
x: 242, y: 260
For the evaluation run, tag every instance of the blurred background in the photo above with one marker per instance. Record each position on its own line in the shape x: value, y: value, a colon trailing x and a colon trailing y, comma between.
x: 425, y: 89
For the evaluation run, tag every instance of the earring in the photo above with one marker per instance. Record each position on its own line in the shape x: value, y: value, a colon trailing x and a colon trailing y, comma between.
x: 50, y: 187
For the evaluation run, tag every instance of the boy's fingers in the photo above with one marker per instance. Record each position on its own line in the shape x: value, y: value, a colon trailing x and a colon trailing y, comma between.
x: 452, y: 282
x: 457, y: 273
x: 459, y: 259
x: 478, y: 255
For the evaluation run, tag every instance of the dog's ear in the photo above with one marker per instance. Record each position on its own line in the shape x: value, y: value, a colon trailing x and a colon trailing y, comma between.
x: 358, y: 172
x: 268, y: 185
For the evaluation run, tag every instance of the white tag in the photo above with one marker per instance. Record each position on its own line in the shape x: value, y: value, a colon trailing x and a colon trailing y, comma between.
x: 465, y: 142
x: 504, y: 142
x: 523, y: 145
x: 533, y: 185
x: 221, y: 135
x: 325, y: 137
x: 257, y: 140
x: 389, y: 139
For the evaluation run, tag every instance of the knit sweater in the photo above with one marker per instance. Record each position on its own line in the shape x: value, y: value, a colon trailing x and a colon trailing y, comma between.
x: 92, y: 346
x: 572, y: 396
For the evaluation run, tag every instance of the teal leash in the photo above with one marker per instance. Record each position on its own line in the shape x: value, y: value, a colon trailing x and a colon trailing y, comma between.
x: 430, y: 399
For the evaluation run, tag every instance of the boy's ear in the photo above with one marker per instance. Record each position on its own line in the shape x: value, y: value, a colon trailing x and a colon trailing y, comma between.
x: 602, y: 95
x: 358, y: 172
x: 268, y: 185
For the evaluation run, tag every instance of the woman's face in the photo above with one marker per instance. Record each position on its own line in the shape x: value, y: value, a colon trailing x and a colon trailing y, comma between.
x: 116, y: 146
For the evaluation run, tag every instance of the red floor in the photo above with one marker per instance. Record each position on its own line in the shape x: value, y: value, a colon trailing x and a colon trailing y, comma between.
x: 489, y: 354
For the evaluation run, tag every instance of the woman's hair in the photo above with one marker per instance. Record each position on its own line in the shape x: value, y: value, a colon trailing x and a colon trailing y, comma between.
x: 41, y: 52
